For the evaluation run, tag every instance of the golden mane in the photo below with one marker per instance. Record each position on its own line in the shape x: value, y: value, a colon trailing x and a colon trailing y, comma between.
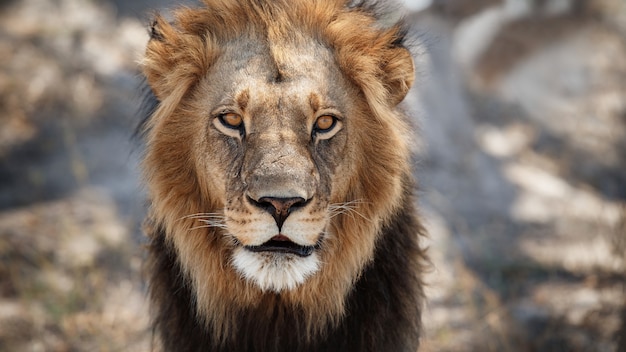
x: 188, y: 263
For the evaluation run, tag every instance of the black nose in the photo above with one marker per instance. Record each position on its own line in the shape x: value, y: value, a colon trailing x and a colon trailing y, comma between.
x: 280, y: 208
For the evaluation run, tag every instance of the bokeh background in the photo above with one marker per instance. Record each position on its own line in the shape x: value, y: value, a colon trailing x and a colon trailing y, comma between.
x: 521, y: 108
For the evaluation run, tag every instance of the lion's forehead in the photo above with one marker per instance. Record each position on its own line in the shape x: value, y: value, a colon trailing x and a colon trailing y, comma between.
x: 288, y: 68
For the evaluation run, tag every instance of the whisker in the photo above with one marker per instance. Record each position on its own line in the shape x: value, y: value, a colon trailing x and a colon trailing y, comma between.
x: 203, y: 216
x: 201, y: 227
x: 210, y: 220
x: 348, y: 208
x: 215, y: 224
x: 210, y: 225
x: 342, y: 206
x: 213, y: 221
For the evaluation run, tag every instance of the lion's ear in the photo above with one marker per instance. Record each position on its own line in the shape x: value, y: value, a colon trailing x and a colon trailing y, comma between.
x: 176, y: 56
x: 399, y: 73
x: 159, y: 59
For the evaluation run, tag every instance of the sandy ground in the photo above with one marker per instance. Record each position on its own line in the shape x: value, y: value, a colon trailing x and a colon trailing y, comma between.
x: 521, y: 107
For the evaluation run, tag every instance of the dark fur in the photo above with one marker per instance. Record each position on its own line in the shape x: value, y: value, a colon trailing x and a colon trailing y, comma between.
x: 383, y: 310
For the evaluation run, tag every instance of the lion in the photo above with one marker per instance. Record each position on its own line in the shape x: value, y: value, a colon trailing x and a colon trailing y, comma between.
x: 278, y: 169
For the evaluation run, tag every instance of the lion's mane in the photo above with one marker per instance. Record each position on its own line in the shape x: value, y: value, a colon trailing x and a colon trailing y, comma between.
x: 367, y: 295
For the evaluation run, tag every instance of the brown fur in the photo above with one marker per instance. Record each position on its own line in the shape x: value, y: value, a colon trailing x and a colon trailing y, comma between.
x: 192, y: 168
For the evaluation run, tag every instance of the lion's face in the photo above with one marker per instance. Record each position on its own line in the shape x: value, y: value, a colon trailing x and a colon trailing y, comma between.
x: 274, y: 141
x: 277, y: 151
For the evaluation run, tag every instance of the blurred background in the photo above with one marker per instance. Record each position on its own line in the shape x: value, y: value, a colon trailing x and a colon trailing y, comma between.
x: 521, y: 108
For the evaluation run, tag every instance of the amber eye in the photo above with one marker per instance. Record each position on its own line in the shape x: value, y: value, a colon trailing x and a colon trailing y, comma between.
x: 325, y: 123
x: 231, y: 120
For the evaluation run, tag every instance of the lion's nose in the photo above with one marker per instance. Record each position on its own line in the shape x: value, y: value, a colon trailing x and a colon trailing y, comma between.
x: 280, y: 208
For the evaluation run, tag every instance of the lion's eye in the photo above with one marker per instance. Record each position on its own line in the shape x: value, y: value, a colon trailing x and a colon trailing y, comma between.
x: 326, y: 126
x: 231, y: 120
x: 325, y: 123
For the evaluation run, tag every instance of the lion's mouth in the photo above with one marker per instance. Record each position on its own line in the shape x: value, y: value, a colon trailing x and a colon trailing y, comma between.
x: 281, y: 244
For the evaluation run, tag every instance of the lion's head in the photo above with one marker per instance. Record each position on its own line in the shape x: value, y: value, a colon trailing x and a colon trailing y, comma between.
x: 277, y: 151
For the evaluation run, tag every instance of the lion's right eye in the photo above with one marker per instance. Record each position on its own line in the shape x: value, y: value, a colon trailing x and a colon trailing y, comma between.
x: 230, y: 124
x: 231, y: 120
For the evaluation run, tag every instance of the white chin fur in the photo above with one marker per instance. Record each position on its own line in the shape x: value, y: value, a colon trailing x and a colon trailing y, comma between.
x: 274, y: 272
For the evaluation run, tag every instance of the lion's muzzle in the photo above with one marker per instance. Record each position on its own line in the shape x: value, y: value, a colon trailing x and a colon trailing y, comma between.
x: 279, y: 208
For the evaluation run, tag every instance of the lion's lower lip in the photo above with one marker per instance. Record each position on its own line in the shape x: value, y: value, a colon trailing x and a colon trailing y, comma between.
x: 282, y: 246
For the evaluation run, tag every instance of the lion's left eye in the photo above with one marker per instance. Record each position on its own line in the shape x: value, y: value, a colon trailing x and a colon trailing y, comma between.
x: 325, y: 123
x: 326, y: 126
